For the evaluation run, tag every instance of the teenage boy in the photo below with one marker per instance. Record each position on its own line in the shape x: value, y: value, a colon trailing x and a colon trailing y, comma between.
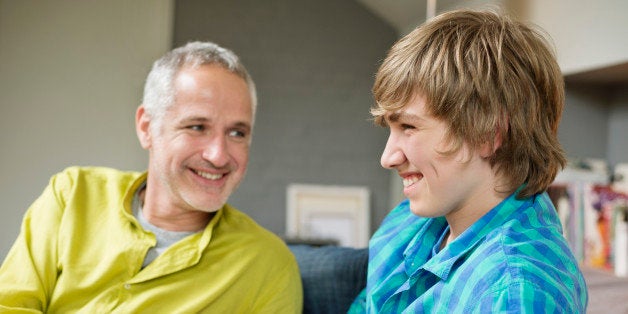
x: 473, y: 102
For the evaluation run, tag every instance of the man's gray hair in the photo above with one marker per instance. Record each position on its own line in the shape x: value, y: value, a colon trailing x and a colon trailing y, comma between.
x: 159, y: 90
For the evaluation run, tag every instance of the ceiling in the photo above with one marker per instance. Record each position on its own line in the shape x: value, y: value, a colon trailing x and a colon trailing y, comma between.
x: 404, y: 15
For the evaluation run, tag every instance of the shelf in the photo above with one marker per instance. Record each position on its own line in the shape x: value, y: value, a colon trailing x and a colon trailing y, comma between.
x: 610, y: 76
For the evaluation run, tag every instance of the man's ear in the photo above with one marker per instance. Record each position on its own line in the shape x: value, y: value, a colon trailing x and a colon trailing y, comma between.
x: 142, y: 127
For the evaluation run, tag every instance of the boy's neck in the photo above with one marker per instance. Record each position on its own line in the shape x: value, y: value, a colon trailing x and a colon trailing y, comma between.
x: 483, y: 202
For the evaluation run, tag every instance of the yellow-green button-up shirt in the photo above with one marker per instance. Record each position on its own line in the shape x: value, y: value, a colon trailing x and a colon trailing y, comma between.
x: 80, y: 249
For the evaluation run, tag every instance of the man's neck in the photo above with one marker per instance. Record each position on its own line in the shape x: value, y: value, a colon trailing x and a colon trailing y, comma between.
x: 172, y: 219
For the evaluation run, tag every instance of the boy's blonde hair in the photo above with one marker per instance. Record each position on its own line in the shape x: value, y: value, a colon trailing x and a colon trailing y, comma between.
x: 490, y: 79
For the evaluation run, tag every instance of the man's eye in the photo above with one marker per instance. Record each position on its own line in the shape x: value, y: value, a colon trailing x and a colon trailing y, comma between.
x: 237, y: 133
x: 407, y: 126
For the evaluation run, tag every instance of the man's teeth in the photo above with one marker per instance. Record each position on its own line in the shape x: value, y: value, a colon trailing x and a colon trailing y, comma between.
x: 209, y: 176
x: 410, y: 180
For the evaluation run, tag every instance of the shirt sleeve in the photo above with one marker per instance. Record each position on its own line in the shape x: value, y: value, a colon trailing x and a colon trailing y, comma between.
x: 28, y: 274
x: 284, y: 293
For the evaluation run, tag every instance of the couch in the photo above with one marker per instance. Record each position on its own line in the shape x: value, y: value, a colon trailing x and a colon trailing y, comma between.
x: 332, y: 276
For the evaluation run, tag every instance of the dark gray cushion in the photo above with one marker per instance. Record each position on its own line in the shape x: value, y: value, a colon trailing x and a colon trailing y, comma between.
x: 332, y: 276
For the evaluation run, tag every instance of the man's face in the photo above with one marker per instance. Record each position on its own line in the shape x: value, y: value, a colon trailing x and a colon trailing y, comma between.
x: 199, y: 150
x: 436, y: 184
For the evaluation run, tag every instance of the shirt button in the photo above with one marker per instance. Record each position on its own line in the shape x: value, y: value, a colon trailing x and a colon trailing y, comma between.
x: 127, y: 286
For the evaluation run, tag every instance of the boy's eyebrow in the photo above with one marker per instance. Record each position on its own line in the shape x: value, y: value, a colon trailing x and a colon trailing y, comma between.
x: 392, y: 117
x: 401, y: 115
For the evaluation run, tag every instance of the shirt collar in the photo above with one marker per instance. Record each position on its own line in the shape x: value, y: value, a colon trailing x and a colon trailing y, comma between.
x: 442, y: 261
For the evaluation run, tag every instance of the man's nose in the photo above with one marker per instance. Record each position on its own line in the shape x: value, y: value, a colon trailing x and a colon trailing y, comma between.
x: 216, y: 151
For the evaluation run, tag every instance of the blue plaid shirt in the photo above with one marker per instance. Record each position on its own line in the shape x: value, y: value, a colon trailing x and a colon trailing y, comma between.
x: 514, y: 259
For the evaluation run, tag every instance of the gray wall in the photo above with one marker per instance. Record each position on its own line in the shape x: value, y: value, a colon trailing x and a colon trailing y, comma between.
x: 313, y: 63
x: 583, y: 131
x: 595, y: 122
x: 71, y: 76
x: 618, y: 127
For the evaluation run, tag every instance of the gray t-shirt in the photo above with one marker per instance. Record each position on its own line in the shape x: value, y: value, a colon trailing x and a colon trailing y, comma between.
x: 165, y: 238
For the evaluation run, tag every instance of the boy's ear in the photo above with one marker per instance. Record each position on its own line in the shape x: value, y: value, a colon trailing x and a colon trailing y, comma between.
x: 142, y: 127
x: 489, y: 148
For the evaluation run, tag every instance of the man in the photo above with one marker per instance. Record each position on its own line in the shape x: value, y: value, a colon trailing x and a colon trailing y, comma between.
x: 473, y: 102
x: 100, y: 240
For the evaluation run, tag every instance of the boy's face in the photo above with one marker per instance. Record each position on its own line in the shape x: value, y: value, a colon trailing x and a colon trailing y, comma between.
x: 199, y: 152
x: 436, y: 184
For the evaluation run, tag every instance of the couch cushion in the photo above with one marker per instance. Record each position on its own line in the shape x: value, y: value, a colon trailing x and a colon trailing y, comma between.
x: 332, y: 276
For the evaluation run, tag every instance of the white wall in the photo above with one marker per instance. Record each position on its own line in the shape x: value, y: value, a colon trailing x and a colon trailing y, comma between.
x: 71, y: 76
x: 588, y: 34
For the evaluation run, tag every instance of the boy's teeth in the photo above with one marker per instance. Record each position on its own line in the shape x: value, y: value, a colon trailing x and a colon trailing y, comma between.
x: 209, y: 176
x: 410, y: 180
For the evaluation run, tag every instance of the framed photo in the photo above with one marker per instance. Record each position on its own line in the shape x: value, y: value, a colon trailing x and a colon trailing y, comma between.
x: 339, y: 214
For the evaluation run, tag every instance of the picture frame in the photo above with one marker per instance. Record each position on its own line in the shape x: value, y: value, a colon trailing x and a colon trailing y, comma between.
x: 329, y: 214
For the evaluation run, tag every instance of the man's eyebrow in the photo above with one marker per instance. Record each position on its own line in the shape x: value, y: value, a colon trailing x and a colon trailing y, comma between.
x: 244, y: 125
x: 193, y: 119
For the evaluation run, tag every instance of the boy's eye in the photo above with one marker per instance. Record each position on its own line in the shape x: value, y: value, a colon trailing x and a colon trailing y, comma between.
x: 405, y: 126
x: 196, y: 127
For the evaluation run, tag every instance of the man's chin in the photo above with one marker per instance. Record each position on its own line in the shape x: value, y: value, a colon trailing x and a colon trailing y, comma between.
x: 207, y: 206
x: 205, y: 200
